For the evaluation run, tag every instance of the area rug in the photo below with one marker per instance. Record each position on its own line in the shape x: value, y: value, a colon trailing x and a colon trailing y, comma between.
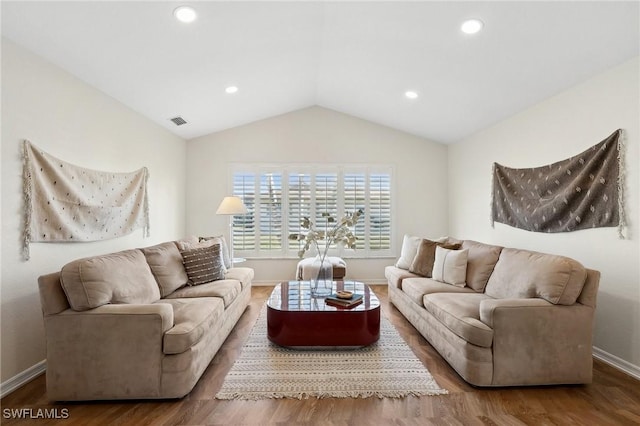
x: 386, y: 369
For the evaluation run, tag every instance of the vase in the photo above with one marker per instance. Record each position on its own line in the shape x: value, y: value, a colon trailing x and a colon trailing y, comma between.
x: 321, y: 277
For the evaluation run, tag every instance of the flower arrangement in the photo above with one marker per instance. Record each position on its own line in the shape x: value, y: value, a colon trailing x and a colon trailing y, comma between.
x: 335, y: 232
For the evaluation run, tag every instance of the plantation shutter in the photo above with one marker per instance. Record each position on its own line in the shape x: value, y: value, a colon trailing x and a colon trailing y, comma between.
x: 279, y: 197
x: 299, y: 205
x: 326, y: 200
x: 244, y: 230
x: 379, y: 211
x: 355, y: 199
x: 270, y: 229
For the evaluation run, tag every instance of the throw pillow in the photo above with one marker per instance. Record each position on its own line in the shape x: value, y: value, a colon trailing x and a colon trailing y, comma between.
x: 409, y: 248
x: 450, y: 266
x: 201, y: 243
x: 224, y: 248
x: 203, y: 265
x: 422, y: 263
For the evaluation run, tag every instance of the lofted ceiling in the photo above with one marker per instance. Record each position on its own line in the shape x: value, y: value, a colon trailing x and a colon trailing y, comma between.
x: 358, y: 58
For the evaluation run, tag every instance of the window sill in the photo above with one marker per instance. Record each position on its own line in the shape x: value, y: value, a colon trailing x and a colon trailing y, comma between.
x: 249, y: 258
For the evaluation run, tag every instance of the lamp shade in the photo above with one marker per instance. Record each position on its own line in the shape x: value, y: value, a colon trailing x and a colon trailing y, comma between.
x: 231, y: 205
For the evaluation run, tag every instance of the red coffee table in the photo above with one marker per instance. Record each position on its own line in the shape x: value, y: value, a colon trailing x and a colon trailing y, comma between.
x: 296, y: 319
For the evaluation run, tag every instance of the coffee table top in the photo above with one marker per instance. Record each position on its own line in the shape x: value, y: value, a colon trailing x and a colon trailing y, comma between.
x: 296, y: 296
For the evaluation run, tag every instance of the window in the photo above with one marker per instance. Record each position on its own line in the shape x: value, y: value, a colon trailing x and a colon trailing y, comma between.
x: 279, y: 197
x: 354, y: 199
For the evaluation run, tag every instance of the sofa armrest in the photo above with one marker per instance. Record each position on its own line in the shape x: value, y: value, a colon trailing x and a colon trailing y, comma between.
x: 494, y: 309
x: 106, y: 352
x: 124, y: 312
x: 395, y: 276
x: 535, y: 341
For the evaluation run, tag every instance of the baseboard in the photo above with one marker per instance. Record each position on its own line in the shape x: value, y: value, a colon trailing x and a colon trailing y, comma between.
x: 23, y: 378
x: 618, y: 363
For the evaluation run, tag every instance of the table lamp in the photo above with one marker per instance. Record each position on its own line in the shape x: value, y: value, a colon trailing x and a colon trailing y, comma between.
x: 231, y: 206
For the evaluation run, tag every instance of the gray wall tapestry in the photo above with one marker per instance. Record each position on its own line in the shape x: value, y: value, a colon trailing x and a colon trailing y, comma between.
x: 581, y: 192
x: 64, y: 202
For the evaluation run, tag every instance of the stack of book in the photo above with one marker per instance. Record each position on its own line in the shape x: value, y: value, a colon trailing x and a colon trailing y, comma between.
x: 341, y: 302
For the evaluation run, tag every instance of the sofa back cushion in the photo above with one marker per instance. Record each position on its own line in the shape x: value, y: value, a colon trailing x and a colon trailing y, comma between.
x: 166, y: 265
x: 423, y: 261
x: 481, y: 260
x: 409, y: 249
x: 527, y: 274
x: 450, y: 266
x: 123, y: 277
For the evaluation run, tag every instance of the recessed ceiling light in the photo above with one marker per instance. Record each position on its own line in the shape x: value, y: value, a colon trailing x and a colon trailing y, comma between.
x: 231, y: 89
x: 185, y: 14
x: 410, y: 94
x: 471, y: 26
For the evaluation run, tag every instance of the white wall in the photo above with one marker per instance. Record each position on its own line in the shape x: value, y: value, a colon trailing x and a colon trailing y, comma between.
x: 319, y: 135
x: 555, y: 129
x: 75, y: 122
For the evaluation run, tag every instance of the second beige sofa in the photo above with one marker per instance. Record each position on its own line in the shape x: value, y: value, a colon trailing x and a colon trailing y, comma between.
x: 518, y: 317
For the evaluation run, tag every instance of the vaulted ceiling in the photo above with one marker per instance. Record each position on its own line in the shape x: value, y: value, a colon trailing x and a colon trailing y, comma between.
x: 354, y: 57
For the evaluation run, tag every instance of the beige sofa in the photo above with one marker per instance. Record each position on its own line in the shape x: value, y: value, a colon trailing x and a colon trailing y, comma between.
x: 520, y: 318
x: 125, y: 325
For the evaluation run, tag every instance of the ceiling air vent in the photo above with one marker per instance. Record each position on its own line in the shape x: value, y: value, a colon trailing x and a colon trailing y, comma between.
x: 178, y: 121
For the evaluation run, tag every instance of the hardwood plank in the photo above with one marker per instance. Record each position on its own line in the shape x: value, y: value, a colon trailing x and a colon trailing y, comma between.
x: 612, y: 399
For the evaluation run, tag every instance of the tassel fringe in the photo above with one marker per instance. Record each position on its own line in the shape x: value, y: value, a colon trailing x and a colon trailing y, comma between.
x: 26, y: 192
x: 492, y: 207
x: 621, y: 179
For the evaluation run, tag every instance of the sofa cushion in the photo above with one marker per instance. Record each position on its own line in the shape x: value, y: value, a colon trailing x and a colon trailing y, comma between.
x: 122, y: 277
x: 395, y: 275
x: 203, y: 265
x: 416, y: 288
x: 481, y: 260
x: 227, y: 290
x: 166, y: 265
x: 422, y: 263
x: 460, y: 313
x: 194, y: 242
x: 408, y: 252
x: 450, y: 266
x: 193, y: 318
x: 244, y: 275
x: 186, y: 242
x: 527, y: 274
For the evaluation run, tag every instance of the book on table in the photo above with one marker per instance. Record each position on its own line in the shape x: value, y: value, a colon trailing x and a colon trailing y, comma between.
x: 343, y: 305
x: 334, y: 300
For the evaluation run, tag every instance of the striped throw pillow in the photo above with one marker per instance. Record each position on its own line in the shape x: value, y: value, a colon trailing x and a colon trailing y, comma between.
x: 203, y: 265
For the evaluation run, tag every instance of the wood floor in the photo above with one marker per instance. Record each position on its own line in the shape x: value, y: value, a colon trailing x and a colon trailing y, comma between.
x: 612, y: 399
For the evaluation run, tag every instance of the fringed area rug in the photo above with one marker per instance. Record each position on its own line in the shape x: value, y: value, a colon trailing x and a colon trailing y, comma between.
x: 386, y: 369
